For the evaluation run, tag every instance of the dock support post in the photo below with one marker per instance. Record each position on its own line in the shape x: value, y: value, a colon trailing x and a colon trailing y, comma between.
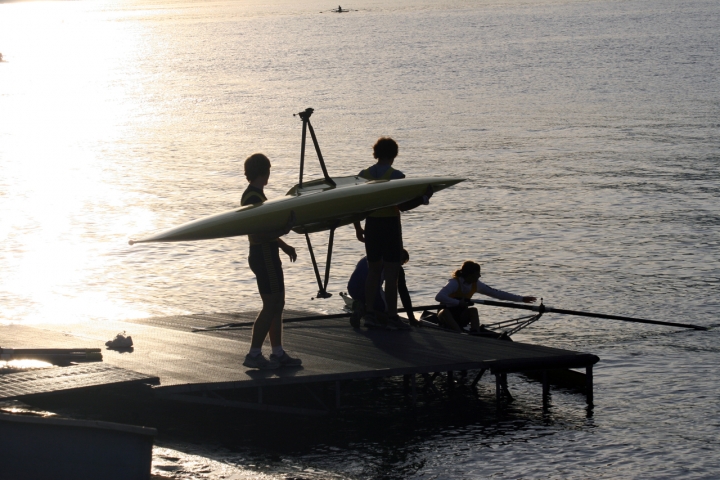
x: 450, y: 380
x: 501, y: 387
x: 505, y: 388
x: 429, y: 379
x: 413, y: 384
x: 478, y: 377
x: 545, y: 389
x: 589, y: 384
x: 337, y: 393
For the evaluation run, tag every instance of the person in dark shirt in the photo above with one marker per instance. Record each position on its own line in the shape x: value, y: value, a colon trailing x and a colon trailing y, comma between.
x: 265, y: 263
x: 356, y: 290
x: 382, y: 236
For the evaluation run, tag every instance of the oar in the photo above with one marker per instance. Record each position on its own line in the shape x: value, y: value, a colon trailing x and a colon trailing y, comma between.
x: 585, y: 314
x: 493, y: 303
x: 230, y: 326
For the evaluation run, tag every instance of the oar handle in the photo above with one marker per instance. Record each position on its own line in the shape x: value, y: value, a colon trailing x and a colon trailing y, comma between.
x: 587, y: 314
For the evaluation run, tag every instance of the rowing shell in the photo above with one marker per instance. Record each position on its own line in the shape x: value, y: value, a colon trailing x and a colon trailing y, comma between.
x: 317, y: 205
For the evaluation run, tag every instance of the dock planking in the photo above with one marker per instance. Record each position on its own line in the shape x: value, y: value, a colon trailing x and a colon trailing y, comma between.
x: 187, y: 362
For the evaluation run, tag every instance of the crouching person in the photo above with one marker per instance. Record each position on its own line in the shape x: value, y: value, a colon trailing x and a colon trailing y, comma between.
x: 455, y: 297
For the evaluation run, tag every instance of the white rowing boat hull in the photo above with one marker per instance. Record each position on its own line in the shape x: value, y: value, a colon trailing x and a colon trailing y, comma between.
x: 317, y: 206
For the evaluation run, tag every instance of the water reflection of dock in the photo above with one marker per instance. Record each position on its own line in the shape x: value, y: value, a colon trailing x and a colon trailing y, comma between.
x: 206, y: 367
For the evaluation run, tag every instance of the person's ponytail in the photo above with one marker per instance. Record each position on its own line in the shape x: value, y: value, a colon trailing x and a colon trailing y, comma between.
x: 468, y: 267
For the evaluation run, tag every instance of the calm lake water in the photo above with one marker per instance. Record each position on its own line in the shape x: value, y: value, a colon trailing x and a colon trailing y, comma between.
x: 589, y: 132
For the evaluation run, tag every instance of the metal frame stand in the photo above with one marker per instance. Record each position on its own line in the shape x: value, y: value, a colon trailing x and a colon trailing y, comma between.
x: 519, y: 323
x: 322, y: 286
x: 500, y: 327
x: 305, y: 117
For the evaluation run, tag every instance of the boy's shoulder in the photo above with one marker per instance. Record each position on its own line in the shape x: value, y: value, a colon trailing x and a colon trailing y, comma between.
x: 397, y: 174
x: 252, y: 195
x: 377, y: 170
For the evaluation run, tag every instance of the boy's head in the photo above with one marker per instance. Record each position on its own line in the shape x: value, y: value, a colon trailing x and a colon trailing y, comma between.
x: 385, y: 149
x: 256, y: 165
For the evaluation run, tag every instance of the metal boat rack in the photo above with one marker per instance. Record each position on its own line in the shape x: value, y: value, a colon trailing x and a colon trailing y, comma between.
x: 305, y: 117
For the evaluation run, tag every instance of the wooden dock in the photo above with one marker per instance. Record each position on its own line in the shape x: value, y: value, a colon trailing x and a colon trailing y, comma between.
x: 201, y: 366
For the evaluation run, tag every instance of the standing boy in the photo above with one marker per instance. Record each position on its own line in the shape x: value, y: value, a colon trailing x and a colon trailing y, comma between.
x: 265, y: 263
x: 383, y: 238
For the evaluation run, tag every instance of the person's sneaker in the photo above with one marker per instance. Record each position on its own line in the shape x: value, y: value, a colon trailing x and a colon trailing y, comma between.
x: 370, y: 320
x: 260, y: 362
x: 394, y: 323
x: 358, y: 310
x: 285, y: 360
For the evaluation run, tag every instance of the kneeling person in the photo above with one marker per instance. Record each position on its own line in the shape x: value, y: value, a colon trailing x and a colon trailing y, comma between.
x: 356, y: 290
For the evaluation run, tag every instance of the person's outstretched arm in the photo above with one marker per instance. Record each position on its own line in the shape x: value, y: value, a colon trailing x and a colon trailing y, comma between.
x: 500, y: 295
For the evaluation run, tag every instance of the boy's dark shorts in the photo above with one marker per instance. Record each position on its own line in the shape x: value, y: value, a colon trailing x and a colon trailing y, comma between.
x: 265, y: 263
x: 383, y: 239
